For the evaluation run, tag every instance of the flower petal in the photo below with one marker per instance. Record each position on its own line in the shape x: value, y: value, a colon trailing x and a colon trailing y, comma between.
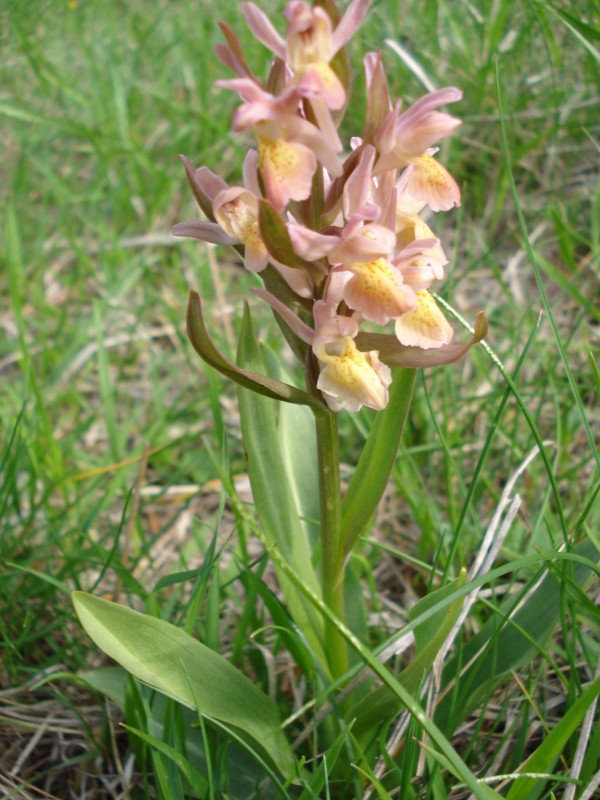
x: 377, y: 292
x: 378, y: 98
x: 361, y: 243
x: 330, y: 326
x: 358, y: 189
x: 301, y: 329
x: 326, y: 150
x: 298, y: 280
x: 432, y: 182
x: 262, y: 27
x: 350, y: 379
x: 231, y: 54
x: 310, y: 244
x: 235, y: 209
x: 250, y: 173
x: 287, y: 169
x: 205, y: 231
x: 349, y: 23
x: 319, y: 80
x: 425, y: 326
x: 203, y: 199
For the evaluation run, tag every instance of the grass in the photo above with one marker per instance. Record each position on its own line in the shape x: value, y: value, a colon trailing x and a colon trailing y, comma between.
x: 117, y: 477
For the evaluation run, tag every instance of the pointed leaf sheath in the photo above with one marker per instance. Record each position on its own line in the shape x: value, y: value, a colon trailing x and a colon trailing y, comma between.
x: 394, y: 354
x: 173, y: 662
x: 205, y: 347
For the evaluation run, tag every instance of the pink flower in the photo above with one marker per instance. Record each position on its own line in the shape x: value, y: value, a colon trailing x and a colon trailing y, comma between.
x: 382, y: 289
x: 378, y: 98
x: 348, y: 378
x: 356, y: 241
x: 431, y: 182
x: 359, y: 190
x: 310, y: 44
x: 288, y: 145
x: 236, y: 213
x: 376, y: 290
x: 404, y: 140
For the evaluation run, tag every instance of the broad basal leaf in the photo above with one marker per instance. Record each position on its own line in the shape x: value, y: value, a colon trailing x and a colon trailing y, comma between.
x: 168, y: 659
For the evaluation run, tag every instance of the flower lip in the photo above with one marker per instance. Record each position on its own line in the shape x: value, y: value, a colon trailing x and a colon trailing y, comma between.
x: 350, y: 378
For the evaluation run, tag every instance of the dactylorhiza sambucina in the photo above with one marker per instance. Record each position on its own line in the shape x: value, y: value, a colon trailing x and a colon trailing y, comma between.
x: 341, y: 228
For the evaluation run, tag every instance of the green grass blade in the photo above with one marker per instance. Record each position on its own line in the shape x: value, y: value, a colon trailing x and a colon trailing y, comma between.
x: 197, y: 782
x: 536, y: 560
x: 474, y: 479
x: 430, y: 636
x: 552, y: 746
x: 538, y: 279
x: 506, y: 644
x: 106, y: 389
x: 528, y: 417
x: 458, y: 767
x: 579, y: 29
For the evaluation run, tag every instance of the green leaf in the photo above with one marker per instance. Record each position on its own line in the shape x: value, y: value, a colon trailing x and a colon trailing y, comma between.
x: 432, y: 628
x: 281, y: 619
x: 176, y: 664
x: 430, y: 635
x: 273, y: 498
x: 583, y: 32
x: 205, y: 347
x: 315, y: 786
x: 298, y: 443
x: 543, y: 759
x: 376, y: 461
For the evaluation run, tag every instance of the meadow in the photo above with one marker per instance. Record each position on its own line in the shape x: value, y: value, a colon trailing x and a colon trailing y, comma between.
x: 122, y: 469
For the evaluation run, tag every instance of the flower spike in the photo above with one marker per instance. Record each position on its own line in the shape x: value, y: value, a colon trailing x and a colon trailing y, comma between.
x: 335, y: 244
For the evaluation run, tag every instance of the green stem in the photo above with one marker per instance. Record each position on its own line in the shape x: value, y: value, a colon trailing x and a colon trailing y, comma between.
x: 332, y: 555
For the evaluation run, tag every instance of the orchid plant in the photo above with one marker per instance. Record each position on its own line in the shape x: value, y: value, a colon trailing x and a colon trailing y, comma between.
x: 337, y: 233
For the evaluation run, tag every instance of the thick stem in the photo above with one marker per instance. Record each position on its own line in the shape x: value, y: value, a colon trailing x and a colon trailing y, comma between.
x: 332, y: 556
